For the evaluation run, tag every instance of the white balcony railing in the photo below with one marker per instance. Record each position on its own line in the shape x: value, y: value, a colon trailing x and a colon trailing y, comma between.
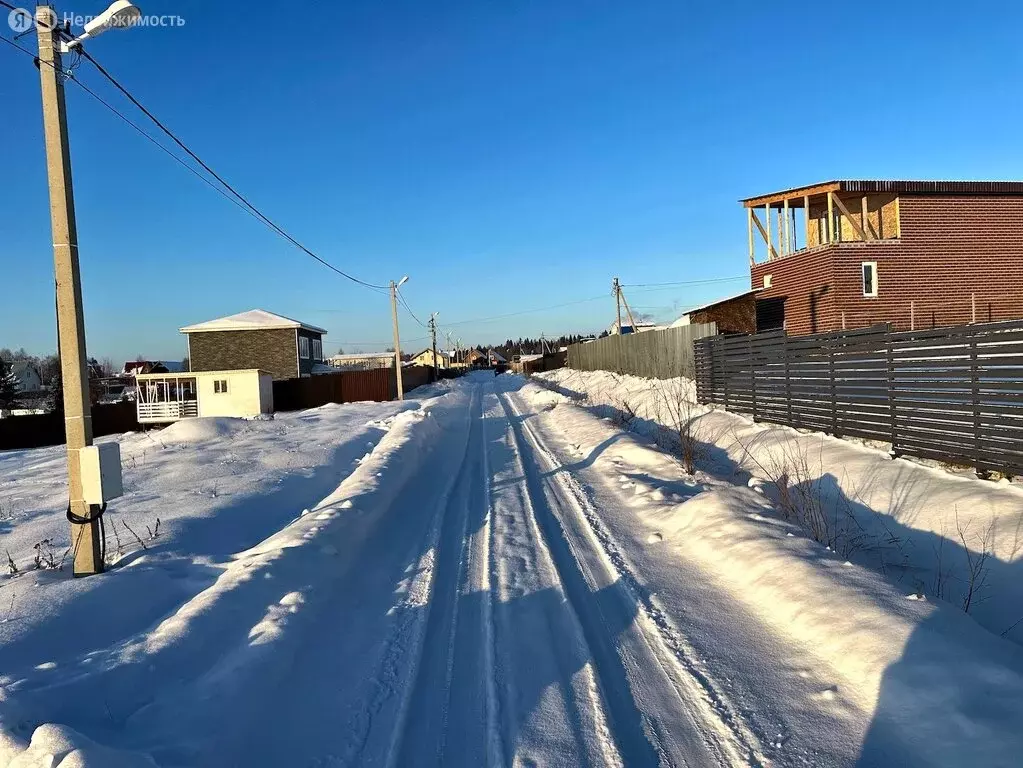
x: 167, y: 411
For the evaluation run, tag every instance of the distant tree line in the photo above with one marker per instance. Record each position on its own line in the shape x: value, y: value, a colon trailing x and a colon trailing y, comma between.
x: 49, y: 374
x: 530, y: 346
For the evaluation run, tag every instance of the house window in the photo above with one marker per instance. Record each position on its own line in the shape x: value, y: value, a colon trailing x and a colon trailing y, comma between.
x: 767, y: 281
x: 303, y: 347
x: 220, y: 386
x: 869, y: 269
x: 317, y: 349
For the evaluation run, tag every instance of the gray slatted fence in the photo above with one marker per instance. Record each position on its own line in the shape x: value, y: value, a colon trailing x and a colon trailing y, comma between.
x: 949, y: 394
x: 653, y: 354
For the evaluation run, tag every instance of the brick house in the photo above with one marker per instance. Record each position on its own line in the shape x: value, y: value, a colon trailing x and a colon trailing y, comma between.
x: 732, y: 314
x: 917, y: 254
x: 257, y: 339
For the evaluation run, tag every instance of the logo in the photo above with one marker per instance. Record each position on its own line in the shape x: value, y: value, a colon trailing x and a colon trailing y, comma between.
x: 20, y: 20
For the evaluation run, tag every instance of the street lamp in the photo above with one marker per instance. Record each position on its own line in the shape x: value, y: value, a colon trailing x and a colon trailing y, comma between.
x: 120, y: 15
x: 88, y: 490
x: 397, y: 342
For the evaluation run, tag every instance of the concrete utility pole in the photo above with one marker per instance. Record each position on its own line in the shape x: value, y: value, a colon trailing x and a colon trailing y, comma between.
x: 433, y: 334
x: 397, y: 342
x: 86, y: 541
x: 616, y: 288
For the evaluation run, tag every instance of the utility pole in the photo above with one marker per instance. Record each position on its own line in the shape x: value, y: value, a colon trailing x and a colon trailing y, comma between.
x: 397, y: 342
x: 635, y: 328
x: 86, y: 541
x: 616, y: 289
x: 433, y: 334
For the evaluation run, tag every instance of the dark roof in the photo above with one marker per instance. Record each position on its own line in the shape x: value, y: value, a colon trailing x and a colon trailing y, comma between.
x: 893, y: 187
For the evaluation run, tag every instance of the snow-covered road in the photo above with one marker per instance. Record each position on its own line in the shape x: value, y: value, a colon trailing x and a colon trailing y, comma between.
x: 512, y: 640
x: 503, y: 579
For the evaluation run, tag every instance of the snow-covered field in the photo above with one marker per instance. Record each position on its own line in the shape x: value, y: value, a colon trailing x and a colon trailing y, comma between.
x: 487, y: 574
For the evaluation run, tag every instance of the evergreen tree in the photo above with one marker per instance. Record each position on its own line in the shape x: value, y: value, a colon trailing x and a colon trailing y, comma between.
x: 8, y: 385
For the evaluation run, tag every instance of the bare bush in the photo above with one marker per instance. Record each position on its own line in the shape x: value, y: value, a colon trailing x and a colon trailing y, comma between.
x: 796, y: 481
x: 11, y: 565
x: 681, y: 421
x: 137, y: 537
x: 45, y: 558
x: 976, y: 584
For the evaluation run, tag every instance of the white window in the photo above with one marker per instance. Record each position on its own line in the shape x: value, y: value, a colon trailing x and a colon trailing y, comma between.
x: 767, y: 281
x: 220, y: 386
x: 303, y: 347
x: 869, y: 269
x: 317, y: 349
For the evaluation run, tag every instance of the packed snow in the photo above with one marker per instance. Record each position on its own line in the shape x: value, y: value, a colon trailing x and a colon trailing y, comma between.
x: 492, y: 573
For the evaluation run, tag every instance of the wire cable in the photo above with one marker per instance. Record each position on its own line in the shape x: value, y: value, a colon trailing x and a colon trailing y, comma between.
x: 170, y: 134
x: 242, y: 201
x: 686, y: 282
x: 408, y: 308
x: 141, y: 131
x: 523, y: 312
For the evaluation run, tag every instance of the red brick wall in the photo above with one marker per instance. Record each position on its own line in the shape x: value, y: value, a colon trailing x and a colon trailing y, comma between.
x: 806, y: 280
x: 952, y: 250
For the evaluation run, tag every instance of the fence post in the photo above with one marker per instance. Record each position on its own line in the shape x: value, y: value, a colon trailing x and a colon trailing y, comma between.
x: 788, y: 376
x: 975, y: 397
x: 752, y: 377
x: 832, y: 345
x: 724, y: 376
x: 890, y: 356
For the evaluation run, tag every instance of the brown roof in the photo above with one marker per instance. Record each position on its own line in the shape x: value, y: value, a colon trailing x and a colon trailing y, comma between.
x: 893, y: 187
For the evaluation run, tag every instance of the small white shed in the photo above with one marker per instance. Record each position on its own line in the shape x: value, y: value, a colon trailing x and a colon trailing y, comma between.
x: 167, y: 397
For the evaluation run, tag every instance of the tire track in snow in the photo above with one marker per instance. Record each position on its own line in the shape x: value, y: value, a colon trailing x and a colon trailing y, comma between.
x: 730, y: 738
x: 449, y: 683
x: 651, y: 721
x: 528, y: 586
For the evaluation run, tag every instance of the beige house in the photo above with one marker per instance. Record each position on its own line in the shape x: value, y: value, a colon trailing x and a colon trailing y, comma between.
x: 165, y: 397
x: 426, y: 358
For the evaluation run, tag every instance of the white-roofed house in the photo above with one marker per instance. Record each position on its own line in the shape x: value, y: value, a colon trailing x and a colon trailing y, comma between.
x: 257, y: 339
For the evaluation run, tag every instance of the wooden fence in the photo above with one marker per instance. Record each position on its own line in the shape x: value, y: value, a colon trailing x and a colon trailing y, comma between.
x: 653, y: 354
x: 44, y: 429
x: 548, y: 362
x: 377, y: 384
x: 949, y: 394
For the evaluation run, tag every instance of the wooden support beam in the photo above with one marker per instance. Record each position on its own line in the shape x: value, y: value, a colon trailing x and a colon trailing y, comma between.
x: 767, y: 223
x: 749, y: 223
x: 787, y: 247
x: 865, y: 218
x: 845, y: 212
x: 831, y: 217
x: 771, y: 253
x: 806, y: 216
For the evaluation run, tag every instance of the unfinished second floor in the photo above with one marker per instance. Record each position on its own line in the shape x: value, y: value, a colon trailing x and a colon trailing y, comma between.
x: 924, y: 219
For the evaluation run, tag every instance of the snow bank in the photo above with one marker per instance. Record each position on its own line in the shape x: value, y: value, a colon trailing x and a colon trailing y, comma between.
x: 201, y: 430
x: 832, y: 662
x: 921, y: 525
x: 217, y: 487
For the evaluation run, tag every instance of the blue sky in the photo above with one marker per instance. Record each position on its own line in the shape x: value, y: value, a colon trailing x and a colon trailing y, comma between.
x: 507, y: 155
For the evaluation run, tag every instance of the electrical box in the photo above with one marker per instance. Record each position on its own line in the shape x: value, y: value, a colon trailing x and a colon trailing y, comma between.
x: 101, y: 472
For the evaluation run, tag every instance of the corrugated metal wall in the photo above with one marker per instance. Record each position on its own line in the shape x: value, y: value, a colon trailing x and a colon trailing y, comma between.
x: 653, y: 354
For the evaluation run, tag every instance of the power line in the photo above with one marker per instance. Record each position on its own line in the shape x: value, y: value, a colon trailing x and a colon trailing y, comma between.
x: 686, y: 282
x: 523, y: 312
x: 408, y: 308
x: 238, y: 199
x: 219, y: 178
x: 141, y: 131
